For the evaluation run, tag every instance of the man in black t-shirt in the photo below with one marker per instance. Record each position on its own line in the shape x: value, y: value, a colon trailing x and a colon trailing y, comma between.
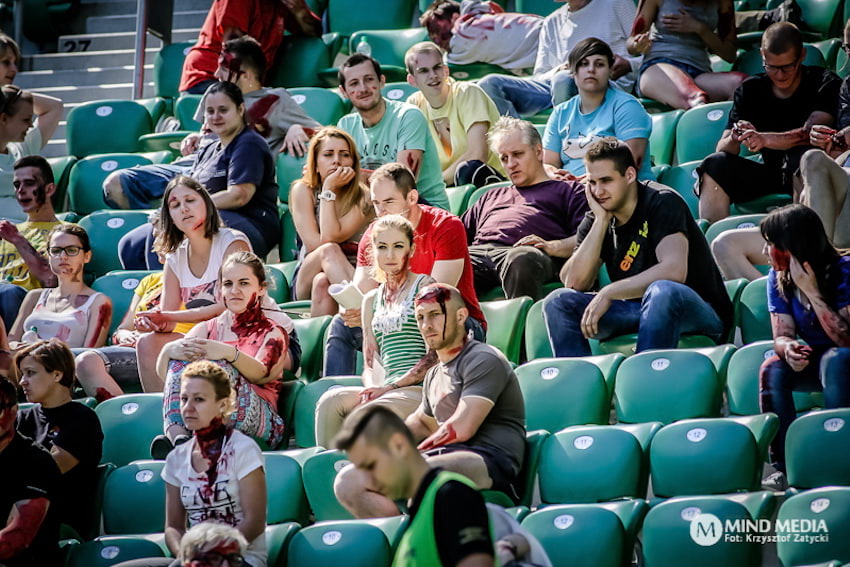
x: 28, y: 477
x: 773, y: 113
x: 664, y: 281
x: 448, y: 518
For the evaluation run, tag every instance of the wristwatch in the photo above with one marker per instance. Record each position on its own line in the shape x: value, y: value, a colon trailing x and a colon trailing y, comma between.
x: 327, y: 195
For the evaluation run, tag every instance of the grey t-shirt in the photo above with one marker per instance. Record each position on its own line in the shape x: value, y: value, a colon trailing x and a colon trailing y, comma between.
x: 480, y: 371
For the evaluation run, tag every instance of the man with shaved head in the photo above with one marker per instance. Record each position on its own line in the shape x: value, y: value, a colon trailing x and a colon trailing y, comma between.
x: 472, y: 416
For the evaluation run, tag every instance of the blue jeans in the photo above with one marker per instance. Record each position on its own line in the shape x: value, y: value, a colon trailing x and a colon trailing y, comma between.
x: 344, y: 342
x: 666, y: 310
x: 827, y: 370
x: 11, y: 297
x: 527, y: 96
x: 145, y: 183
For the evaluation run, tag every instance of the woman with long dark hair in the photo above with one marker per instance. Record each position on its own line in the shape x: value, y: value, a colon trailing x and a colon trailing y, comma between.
x: 808, y: 298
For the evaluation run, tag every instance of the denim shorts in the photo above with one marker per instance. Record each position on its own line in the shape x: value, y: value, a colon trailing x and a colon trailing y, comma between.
x: 120, y: 362
x: 499, y: 466
x: 145, y: 183
x: 690, y: 70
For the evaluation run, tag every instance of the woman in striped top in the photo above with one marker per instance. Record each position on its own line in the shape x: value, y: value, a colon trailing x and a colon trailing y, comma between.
x: 392, y: 344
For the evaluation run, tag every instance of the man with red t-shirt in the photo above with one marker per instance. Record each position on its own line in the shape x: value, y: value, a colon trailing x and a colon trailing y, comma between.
x: 264, y: 20
x: 441, y: 251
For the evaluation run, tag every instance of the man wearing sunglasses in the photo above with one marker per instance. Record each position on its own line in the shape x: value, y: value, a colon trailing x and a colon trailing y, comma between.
x: 23, y: 246
x: 772, y: 114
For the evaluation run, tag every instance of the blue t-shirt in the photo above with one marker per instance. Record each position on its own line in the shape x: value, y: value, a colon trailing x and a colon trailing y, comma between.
x: 403, y: 127
x: 808, y: 327
x: 570, y: 133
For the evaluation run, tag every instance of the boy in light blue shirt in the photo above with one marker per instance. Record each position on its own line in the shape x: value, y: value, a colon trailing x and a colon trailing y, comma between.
x: 599, y: 110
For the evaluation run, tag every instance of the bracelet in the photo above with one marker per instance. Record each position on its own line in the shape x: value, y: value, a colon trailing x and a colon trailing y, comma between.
x: 236, y: 356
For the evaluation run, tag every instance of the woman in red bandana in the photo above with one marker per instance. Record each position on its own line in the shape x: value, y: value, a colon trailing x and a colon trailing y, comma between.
x: 217, y: 476
x: 250, y: 341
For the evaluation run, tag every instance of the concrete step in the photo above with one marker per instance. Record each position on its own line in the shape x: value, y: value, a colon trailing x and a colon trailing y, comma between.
x: 55, y: 148
x: 72, y: 94
x: 86, y: 60
x: 118, y: 40
x: 125, y: 23
x: 40, y: 80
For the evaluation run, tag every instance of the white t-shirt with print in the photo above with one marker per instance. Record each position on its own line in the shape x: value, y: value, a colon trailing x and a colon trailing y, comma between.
x: 240, y: 456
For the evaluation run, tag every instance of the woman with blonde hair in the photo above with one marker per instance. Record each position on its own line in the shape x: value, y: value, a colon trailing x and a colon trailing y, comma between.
x: 331, y: 209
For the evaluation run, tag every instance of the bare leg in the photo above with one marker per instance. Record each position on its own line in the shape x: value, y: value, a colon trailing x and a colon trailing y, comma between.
x: 322, y: 303
x: 720, y: 86
x: 825, y: 186
x: 113, y: 189
x: 147, y: 351
x: 354, y: 492
x: 94, y: 378
x: 672, y: 86
x: 713, y: 201
x: 310, y: 266
x: 738, y: 251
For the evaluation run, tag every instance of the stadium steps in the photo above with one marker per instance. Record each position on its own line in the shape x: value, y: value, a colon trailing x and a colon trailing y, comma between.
x: 98, y: 64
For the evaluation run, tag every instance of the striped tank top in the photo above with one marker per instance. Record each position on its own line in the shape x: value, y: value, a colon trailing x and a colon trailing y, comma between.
x: 399, y: 341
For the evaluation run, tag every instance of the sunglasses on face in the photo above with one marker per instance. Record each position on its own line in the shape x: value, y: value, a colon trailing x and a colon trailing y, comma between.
x: 215, y: 559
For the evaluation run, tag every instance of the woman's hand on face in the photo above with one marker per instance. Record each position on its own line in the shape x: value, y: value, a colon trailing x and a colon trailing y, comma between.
x: 339, y: 178
x: 804, y: 277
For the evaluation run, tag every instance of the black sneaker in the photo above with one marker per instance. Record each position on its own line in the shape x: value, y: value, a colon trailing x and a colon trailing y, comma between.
x: 160, y: 447
x: 776, y: 482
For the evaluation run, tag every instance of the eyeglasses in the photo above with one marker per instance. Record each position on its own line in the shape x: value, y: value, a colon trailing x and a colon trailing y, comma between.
x: 68, y: 250
x: 215, y: 559
x: 784, y: 69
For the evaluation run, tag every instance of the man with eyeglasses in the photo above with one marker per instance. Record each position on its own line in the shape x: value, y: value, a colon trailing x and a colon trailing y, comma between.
x: 772, y: 114
x: 23, y: 259
x: 29, y: 529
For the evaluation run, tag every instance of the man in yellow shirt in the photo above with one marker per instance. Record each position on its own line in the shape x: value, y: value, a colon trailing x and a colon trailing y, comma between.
x: 459, y: 114
x: 23, y: 246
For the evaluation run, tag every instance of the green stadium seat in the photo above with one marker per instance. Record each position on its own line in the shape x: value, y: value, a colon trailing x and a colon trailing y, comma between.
x: 319, y: 473
x: 112, y: 550
x: 829, y: 48
x: 681, y: 178
x: 560, y: 392
x: 458, y: 196
x: 668, y: 528
x: 299, y: 58
x: 163, y: 141
x: 536, y: 336
x: 659, y: 170
x: 288, y: 169
x: 89, y: 525
x: 124, y: 120
x: 278, y: 537
x: 751, y: 61
x: 663, y: 136
x: 85, y: 185
x: 732, y: 223
x: 156, y: 107
x: 762, y: 205
x: 699, y: 129
x: 325, y: 106
x: 353, y: 543
x: 278, y: 286
x: 534, y: 442
x: 754, y: 318
x: 666, y: 386
x: 829, y: 505
x: 288, y: 235
x: 134, y: 499
x: 286, y: 499
x: 389, y: 47
x: 585, y: 464
x: 720, y: 355
x: 473, y: 198
x: 311, y: 335
x: 119, y: 286
x: 816, y: 449
x: 842, y: 64
x: 369, y: 16
x: 398, y: 90
x: 626, y: 344
x: 822, y: 16
x: 185, y: 109
x: 734, y: 289
x: 572, y: 534
x: 61, y: 167
x: 505, y: 323
x: 130, y: 422
x: 305, y: 406
x: 105, y: 229
x: 168, y: 67
x: 707, y: 456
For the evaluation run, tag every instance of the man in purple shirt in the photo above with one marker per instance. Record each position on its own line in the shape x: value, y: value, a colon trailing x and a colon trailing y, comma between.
x: 521, y: 234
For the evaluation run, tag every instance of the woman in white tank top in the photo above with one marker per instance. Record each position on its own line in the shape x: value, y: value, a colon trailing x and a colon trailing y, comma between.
x: 195, y: 244
x: 72, y: 312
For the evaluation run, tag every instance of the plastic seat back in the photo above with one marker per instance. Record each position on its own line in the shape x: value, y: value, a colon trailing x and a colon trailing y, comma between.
x: 130, y: 422
x: 320, y: 470
x: 134, y: 499
x: 505, y: 323
x: 106, y: 126
x: 119, y: 286
x: 816, y: 449
x: 105, y: 229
